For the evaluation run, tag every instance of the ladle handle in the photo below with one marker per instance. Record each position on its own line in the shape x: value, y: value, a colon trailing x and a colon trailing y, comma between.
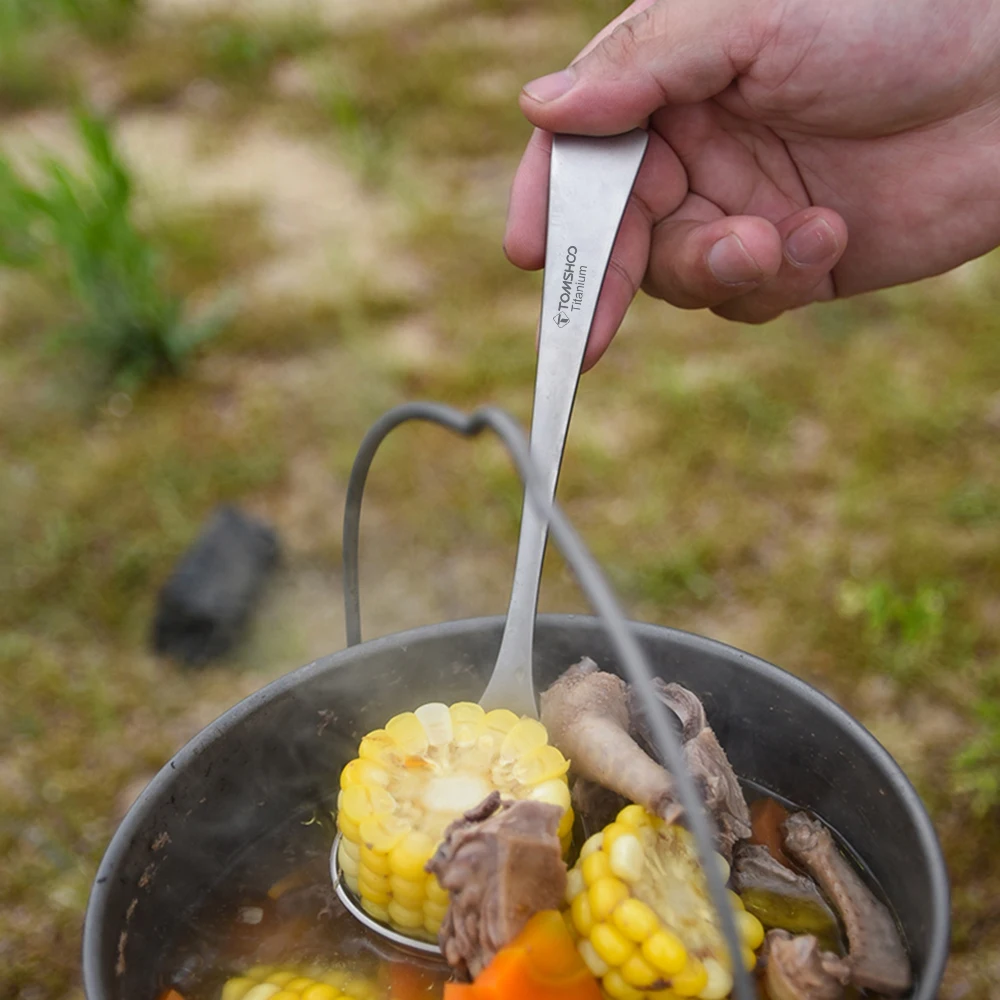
x: 590, y: 181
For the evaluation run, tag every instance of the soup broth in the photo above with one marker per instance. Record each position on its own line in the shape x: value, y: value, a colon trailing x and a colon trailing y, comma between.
x: 275, y: 911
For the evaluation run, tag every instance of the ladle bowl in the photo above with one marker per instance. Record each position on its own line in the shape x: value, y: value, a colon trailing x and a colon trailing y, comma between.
x: 282, y: 748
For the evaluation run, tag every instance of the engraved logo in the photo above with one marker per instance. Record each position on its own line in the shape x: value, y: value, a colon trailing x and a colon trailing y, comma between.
x: 574, y: 280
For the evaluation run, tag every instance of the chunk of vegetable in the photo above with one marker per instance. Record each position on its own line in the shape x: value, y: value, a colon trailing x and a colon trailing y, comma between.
x: 639, y: 903
x: 541, y: 963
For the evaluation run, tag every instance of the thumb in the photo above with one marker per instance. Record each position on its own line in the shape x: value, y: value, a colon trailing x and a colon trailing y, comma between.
x: 671, y: 52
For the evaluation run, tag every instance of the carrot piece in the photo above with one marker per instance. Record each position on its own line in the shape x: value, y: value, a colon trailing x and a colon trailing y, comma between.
x: 766, y: 818
x: 460, y: 991
x: 171, y: 995
x: 541, y: 963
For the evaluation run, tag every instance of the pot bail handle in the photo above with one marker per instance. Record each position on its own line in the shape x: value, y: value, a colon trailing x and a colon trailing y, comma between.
x: 594, y: 585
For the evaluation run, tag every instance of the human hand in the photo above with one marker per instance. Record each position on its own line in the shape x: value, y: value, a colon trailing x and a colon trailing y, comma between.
x: 777, y: 130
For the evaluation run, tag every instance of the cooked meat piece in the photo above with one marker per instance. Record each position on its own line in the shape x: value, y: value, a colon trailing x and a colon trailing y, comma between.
x: 587, y: 717
x: 706, y: 760
x: 796, y: 969
x: 875, y: 951
x: 781, y: 897
x: 500, y: 863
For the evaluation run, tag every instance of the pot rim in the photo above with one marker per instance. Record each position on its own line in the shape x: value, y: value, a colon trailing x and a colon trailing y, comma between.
x: 95, y: 984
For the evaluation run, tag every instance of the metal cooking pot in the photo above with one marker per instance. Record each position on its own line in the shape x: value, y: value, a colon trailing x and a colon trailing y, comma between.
x: 253, y: 767
x: 281, y: 750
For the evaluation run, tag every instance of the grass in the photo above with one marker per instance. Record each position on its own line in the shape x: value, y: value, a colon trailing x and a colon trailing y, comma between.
x: 77, y: 229
x: 824, y: 492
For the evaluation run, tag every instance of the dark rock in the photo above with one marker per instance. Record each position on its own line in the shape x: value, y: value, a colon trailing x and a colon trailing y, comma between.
x: 206, y: 604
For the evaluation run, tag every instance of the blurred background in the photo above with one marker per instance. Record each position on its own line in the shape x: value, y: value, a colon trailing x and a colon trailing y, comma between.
x: 233, y: 233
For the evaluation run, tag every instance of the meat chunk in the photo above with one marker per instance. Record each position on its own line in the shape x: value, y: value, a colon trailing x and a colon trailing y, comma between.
x: 796, y: 969
x: 586, y: 714
x: 706, y: 761
x: 875, y: 951
x: 500, y: 863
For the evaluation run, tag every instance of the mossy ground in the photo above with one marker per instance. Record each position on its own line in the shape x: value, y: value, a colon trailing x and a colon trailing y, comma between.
x: 823, y: 491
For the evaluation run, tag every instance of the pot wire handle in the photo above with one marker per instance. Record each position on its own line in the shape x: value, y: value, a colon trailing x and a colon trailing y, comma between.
x: 598, y: 592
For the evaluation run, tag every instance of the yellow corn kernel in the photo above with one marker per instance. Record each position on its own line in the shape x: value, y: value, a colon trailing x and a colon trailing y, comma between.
x: 635, y: 919
x: 574, y: 884
x: 638, y: 972
x: 351, y: 882
x: 611, y: 833
x: 750, y: 929
x: 374, y: 893
x: 285, y: 995
x: 320, y: 991
x: 237, y: 989
x: 749, y: 958
x: 435, y: 911
x: 501, y: 720
x: 734, y: 900
x: 598, y: 967
x: 351, y: 848
x: 553, y: 791
x: 719, y: 983
x: 378, y: 746
x: 299, y: 984
x: 723, y: 866
x: 611, y: 944
x: 376, y: 862
x: 375, y: 911
x: 358, y: 802
x: 527, y: 735
x: 633, y: 816
x: 583, y: 919
x: 408, y: 858
x: 280, y: 978
x: 382, y: 833
x: 593, y: 843
x: 626, y: 857
x: 348, y: 828
x: 538, y: 765
x: 595, y: 866
x: 362, y: 771
x: 432, y: 926
x: 407, y: 733
x: 665, y: 951
x: 435, y: 893
x: 436, y: 720
x: 262, y: 991
x: 691, y: 980
x: 565, y: 829
x: 616, y: 987
x: 468, y: 721
x: 348, y: 865
x: 605, y: 894
x: 335, y: 978
x: 408, y: 892
x: 260, y: 972
x: 405, y: 917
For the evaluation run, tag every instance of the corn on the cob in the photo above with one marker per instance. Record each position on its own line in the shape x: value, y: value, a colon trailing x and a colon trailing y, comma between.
x: 646, y: 927
x: 412, y: 778
x: 268, y: 982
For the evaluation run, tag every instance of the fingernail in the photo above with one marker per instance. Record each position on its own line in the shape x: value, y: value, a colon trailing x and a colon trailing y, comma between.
x: 812, y: 243
x: 729, y: 261
x: 548, y: 88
